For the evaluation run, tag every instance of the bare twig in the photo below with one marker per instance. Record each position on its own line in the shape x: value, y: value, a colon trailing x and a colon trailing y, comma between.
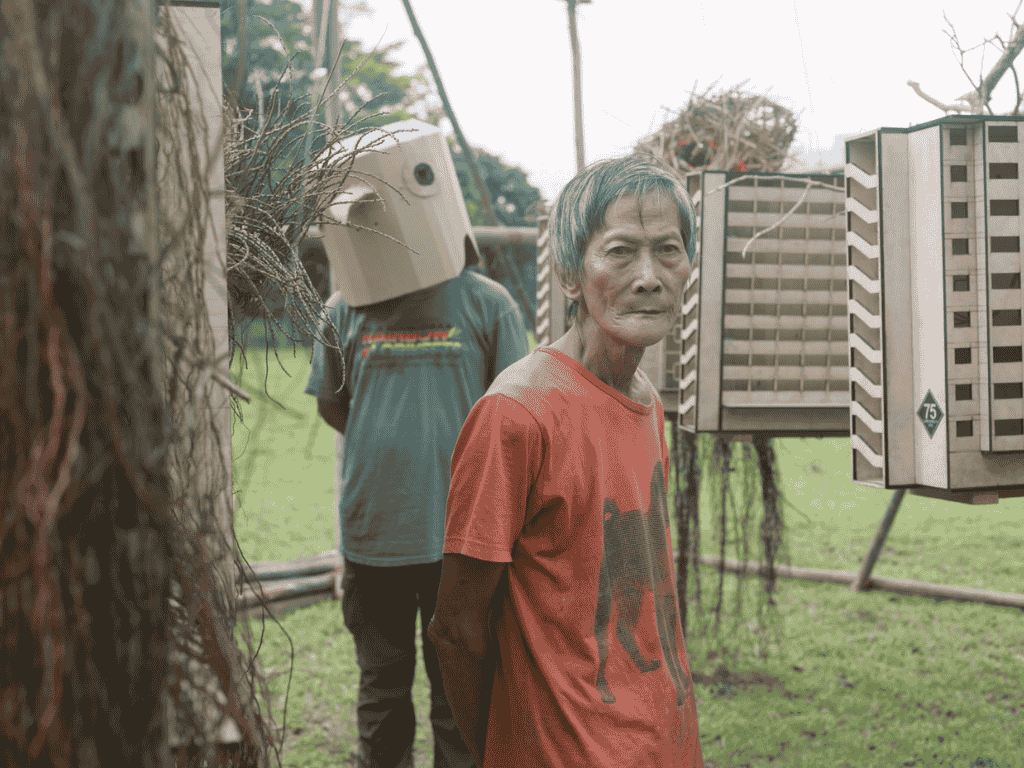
x: 932, y: 100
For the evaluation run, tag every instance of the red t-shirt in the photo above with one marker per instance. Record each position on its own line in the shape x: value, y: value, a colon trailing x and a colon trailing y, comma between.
x: 563, y: 477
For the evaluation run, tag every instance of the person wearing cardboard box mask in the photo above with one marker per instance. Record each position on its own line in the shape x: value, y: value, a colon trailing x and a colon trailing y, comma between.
x: 423, y: 338
x: 557, y: 620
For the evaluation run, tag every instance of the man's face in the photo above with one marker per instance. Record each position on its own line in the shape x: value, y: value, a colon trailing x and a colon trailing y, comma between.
x: 634, y: 270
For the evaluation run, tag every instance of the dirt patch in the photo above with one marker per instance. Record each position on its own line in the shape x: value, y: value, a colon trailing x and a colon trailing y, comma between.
x: 728, y: 682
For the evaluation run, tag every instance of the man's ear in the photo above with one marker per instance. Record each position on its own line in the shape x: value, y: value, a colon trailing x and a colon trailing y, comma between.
x: 571, y: 290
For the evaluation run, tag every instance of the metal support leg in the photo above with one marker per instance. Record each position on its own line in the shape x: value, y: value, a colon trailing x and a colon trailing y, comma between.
x: 861, y: 582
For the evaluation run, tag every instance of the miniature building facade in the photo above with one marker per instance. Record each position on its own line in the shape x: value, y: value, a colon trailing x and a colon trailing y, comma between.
x: 933, y: 235
x: 764, y: 339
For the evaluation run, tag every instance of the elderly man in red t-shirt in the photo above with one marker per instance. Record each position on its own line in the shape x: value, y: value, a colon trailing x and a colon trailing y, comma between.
x: 557, y: 626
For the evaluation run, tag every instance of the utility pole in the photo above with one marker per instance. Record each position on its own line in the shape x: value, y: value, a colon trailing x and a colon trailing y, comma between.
x: 577, y: 87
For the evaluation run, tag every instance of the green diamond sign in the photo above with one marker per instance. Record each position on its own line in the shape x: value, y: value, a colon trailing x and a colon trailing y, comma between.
x: 930, y: 414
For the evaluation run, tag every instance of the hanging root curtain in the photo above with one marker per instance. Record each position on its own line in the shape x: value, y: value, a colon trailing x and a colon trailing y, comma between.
x: 111, y: 561
x: 727, y: 478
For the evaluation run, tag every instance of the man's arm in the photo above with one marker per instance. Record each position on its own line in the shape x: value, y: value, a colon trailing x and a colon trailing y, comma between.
x: 460, y: 632
x: 333, y: 414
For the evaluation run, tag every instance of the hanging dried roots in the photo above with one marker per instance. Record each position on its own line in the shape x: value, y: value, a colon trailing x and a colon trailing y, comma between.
x: 771, y: 525
x: 687, y: 489
x: 105, y: 404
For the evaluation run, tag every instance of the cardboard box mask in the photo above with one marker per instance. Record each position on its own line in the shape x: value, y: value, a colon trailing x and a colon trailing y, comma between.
x: 400, y: 224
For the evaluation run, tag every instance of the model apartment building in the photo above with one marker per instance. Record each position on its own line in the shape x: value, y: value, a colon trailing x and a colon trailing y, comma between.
x: 935, y: 337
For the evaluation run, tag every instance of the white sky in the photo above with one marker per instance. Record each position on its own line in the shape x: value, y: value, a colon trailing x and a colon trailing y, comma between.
x: 507, y: 68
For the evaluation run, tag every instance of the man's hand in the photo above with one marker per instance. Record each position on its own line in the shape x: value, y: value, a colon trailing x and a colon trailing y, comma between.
x: 332, y: 414
x: 461, y: 634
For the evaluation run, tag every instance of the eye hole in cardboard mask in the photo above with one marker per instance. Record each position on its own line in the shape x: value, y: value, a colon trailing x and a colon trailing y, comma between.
x: 423, y: 174
x: 421, y: 179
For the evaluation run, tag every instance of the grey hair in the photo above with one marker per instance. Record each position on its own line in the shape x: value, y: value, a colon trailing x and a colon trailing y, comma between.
x: 579, y: 210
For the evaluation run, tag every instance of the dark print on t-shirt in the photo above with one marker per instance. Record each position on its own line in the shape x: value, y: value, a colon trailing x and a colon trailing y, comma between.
x: 635, y: 561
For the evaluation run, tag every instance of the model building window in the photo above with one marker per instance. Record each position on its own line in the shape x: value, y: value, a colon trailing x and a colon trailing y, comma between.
x: 963, y: 391
x: 964, y: 428
x: 958, y: 173
x: 1005, y: 280
x: 958, y: 136
x: 1002, y: 133
x: 1002, y: 170
x: 1008, y: 391
x: 1004, y: 207
x: 960, y: 246
x: 1009, y: 427
x: 1005, y: 317
x: 1006, y: 355
x: 961, y: 282
x: 958, y: 210
x: 962, y: 356
x: 961, y: 319
x: 1006, y: 244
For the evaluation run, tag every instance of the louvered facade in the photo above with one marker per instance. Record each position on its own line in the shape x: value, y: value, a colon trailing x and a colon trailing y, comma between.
x: 764, y: 339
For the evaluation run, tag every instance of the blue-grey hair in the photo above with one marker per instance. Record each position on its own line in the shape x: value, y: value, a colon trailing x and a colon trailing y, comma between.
x: 579, y: 210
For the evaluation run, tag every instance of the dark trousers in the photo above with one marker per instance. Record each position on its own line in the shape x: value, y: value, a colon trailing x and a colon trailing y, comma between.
x: 380, y: 606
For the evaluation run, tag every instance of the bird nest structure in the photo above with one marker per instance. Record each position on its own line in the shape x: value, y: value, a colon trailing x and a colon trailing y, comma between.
x: 732, y: 129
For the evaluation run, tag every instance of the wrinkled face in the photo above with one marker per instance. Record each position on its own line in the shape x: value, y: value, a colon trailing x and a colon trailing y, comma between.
x: 634, y: 270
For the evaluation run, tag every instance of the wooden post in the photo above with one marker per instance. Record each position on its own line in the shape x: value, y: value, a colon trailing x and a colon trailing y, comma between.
x: 860, y: 583
x: 577, y: 87
x: 205, y: 459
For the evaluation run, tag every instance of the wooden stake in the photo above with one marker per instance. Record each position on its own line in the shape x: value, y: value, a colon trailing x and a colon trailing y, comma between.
x: 860, y: 583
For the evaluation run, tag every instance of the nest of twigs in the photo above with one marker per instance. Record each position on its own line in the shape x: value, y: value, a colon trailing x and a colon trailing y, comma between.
x: 731, y: 129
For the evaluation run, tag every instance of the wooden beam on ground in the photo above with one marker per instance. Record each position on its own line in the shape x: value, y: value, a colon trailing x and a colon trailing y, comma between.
x: 286, y: 595
x: 275, y: 570
x: 900, y: 586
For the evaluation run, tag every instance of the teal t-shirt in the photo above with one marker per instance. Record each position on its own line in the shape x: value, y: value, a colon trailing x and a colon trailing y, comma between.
x: 414, y: 366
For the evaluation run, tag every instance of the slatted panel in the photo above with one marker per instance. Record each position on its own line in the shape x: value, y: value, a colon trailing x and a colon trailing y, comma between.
x: 782, y: 314
x: 545, y: 282
x: 864, y: 311
x: 685, y: 368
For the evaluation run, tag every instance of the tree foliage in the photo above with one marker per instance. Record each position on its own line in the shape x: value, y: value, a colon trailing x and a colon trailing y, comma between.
x: 515, y: 203
x: 279, y: 57
x: 280, y: 85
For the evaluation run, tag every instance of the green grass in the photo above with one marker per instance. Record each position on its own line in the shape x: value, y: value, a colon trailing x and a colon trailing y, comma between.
x: 869, y: 679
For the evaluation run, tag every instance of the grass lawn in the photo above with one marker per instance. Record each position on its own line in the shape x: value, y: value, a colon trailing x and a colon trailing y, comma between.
x: 870, y: 679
